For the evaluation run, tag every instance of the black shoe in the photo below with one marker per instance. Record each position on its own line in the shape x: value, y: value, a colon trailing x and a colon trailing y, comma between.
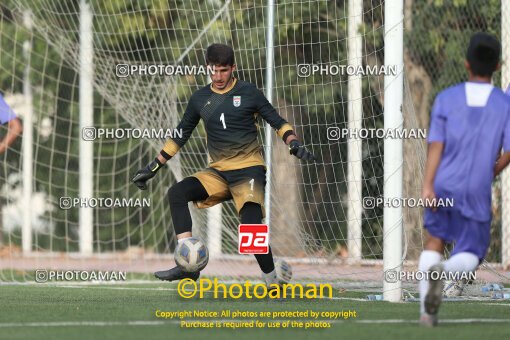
x: 176, y: 273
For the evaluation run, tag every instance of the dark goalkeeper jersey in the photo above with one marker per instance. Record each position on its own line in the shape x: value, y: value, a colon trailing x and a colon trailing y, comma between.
x: 230, y: 123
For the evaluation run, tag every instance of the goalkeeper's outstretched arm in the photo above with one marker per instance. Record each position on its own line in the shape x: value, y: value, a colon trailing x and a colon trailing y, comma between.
x: 186, y: 126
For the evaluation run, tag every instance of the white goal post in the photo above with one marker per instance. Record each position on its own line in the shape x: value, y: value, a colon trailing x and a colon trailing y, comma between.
x: 393, y: 148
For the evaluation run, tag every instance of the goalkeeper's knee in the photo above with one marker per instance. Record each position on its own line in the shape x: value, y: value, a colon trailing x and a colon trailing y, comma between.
x: 251, y: 213
x: 187, y: 190
x: 176, y: 194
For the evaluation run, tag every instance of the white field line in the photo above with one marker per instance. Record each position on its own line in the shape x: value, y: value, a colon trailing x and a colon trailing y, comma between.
x: 129, y: 282
x: 160, y: 323
x: 116, y: 286
x: 80, y: 283
x: 210, y: 292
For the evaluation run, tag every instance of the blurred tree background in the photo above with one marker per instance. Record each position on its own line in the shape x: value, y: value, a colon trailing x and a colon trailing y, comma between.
x: 160, y: 31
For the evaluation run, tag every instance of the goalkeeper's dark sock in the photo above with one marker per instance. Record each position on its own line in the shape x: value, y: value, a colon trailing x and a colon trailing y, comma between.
x: 187, y: 190
x: 266, y: 262
x: 251, y: 213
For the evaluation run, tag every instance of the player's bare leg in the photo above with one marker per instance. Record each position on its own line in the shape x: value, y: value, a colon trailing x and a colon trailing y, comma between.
x: 431, y: 292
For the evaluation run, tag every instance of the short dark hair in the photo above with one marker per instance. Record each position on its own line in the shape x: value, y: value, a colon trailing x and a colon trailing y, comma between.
x: 219, y: 54
x: 483, y: 54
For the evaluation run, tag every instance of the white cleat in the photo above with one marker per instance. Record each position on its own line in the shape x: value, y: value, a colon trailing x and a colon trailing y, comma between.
x: 435, y: 292
x: 428, y: 320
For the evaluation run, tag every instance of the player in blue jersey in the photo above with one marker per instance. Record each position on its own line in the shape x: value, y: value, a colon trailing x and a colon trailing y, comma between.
x: 14, y: 126
x: 469, y: 145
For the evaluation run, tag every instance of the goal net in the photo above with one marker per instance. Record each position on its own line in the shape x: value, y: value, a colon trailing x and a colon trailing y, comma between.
x: 315, y: 206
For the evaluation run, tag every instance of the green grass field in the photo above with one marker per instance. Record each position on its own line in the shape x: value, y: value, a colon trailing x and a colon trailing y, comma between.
x: 127, y: 311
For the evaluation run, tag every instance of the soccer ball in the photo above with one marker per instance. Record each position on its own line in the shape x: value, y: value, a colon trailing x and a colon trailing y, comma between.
x: 453, y: 288
x: 283, y: 271
x: 191, y: 255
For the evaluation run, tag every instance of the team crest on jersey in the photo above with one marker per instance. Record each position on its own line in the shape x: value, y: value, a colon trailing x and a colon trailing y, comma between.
x: 237, y: 101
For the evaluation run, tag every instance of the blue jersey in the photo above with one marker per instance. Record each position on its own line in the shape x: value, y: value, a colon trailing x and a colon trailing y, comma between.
x: 473, y: 121
x: 6, y: 113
